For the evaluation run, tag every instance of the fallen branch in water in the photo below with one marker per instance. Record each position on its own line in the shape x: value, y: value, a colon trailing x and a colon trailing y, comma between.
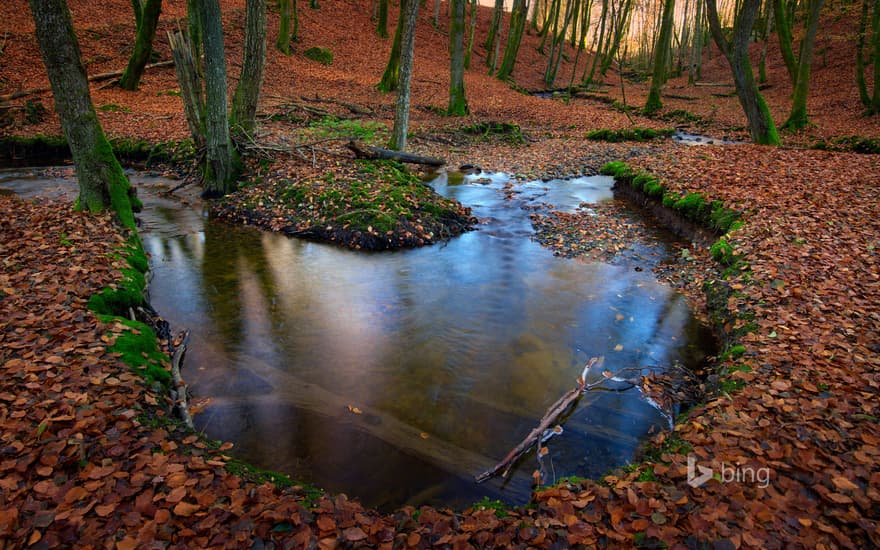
x: 179, y: 384
x: 534, y: 437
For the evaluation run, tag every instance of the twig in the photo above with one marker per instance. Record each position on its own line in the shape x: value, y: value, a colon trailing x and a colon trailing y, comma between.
x: 179, y: 384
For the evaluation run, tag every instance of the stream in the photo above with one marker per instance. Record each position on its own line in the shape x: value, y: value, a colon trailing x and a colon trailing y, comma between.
x: 396, y: 377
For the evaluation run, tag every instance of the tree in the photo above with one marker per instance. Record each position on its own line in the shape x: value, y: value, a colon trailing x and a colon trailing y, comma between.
x: 761, y: 125
x: 407, y: 47
x: 697, y: 46
x: 457, y: 100
x: 514, y: 38
x: 661, y: 58
x: 871, y: 101
x: 221, y: 160
x: 102, y: 183
x: 288, y: 27
x: 382, y: 23
x: 798, y: 117
x: 392, y: 70
x: 494, y: 27
x: 783, y: 32
x: 247, y: 92
x: 146, y: 18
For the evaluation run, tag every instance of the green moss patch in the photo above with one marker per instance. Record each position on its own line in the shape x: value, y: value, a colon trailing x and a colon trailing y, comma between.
x: 129, y: 292
x: 371, y: 205
x: 507, y: 131
x: 137, y: 347
x: 321, y: 55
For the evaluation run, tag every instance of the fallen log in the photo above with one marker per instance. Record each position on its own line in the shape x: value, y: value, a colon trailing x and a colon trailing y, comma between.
x: 536, y: 435
x: 362, y: 151
x: 94, y: 78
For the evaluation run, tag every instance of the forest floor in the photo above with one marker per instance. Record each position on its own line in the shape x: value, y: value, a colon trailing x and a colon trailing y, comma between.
x: 87, y: 458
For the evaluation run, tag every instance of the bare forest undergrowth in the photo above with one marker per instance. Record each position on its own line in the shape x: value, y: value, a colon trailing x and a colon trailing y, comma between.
x: 87, y: 458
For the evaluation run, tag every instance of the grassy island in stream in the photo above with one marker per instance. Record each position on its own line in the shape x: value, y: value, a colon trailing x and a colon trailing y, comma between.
x: 366, y: 205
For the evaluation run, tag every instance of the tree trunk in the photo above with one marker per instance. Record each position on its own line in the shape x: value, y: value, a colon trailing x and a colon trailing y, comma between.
x: 392, y: 69
x: 147, y: 21
x: 697, y: 48
x: 860, y: 56
x: 247, y: 92
x: 783, y: 31
x: 603, y: 18
x: 195, y: 34
x: 621, y: 24
x: 102, y: 183
x: 457, y: 101
x: 407, y: 47
x: 283, y: 41
x: 761, y: 125
x: 436, y: 13
x: 497, y: 12
x: 762, y: 63
x: 221, y: 161
x: 473, y: 29
x: 190, y: 83
x: 798, y: 118
x: 382, y: 23
x: 875, y: 49
x: 514, y: 37
x: 558, y: 44
x: 661, y: 56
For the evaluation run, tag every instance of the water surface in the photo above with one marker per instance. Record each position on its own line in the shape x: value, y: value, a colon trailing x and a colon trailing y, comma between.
x: 396, y: 377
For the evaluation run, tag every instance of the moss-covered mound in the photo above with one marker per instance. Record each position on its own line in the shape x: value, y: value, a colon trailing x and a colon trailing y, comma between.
x: 371, y: 205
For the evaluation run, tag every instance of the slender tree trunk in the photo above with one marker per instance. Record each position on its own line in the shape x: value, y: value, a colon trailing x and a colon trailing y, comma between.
x: 762, y: 63
x: 621, y: 24
x: 407, y: 47
x: 473, y: 28
x: 559, y: 43
x: 798, y: 117
x: 685, y: 38
x: 875, y: 49
x: 102, y: 183
x: 392, y: 69
x: 247, y: 92
x: 514, y: 37
x: 221, y: 161
x: 436, y: 13
x: 860, y: 56
x: 457, y: 100
x: 697, y: 49
x: 494, y: 26
x: 382, y: 23
x: 147, y: 21
x: 661, y: 55
x: 783, y: 31
x: 586, y: 8
x: 761, y: 125
x: 597, y: 54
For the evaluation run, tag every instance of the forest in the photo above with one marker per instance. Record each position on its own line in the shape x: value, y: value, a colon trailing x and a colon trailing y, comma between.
x: 399, y: 274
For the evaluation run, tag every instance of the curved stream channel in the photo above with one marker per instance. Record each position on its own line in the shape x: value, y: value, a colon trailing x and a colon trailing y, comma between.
x: 396, y: 377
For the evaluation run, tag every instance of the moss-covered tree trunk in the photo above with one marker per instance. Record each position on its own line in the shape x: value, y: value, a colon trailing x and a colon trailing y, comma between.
x: 600, y: 41
x: 283, y: 40
x: 798, y: 117
x: 661, y: 58
x: 247, y: 92
x: 621, y: 25
x: 382, y: 22
x: 514, y: 38
x: 194, y: 25
x: 407, y: 49
x: 457, y: 100
x: 392, y: 69
x: 471, y: 33
x: 860, y: 55
x: 102, y: 183
x: 875, y: 49
x: 783, y: 32
x: 221, y: 159
x: 761, y: 125
x: 146, y: 19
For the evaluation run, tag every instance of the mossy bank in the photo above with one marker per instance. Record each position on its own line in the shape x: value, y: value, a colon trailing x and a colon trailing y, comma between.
x: 367, y: 205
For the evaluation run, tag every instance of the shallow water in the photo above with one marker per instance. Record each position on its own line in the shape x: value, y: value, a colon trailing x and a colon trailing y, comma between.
x: 396, y: 377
